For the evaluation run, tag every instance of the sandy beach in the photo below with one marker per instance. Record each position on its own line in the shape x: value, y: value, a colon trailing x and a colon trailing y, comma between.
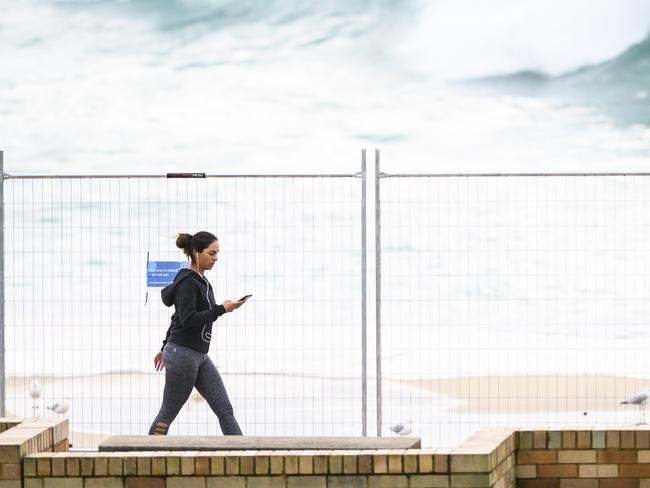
x: 123, y: 403
x: 529, y: 394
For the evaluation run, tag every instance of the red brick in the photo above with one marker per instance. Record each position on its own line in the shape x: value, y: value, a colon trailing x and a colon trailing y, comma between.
x: 263, y: 463
x: 539, y: 440
x: 14, y: 471
x: 410, y: 463
x: 583, y: 439
x: 441, y: 463
x: 613, y: 438
x: 247, y: 465
x: 537, y: 457
x: 616, y: 456
x: 634, y: 470
x: 557, y: 471
x: 144, y: 482
x: 72, y: 467
x: 525, y: 440
x: 619, y: 483
x: 643, y: 439
x: 365, y: 464
x: 537, y: 483
x: 202, y: 466
x: 578, y: 483
x: 627, y: 439
x: 569, y: 439
x: 130, y: 466
x: 43, y: 467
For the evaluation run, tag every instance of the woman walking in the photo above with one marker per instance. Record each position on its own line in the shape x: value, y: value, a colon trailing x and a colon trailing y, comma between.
x: 185, y: 348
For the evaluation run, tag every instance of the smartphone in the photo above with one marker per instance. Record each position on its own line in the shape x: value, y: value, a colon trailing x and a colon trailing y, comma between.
x: 244, y: 298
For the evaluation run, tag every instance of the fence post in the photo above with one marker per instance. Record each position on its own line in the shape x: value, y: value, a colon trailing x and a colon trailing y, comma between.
x: 2, y: 287
x: 378, y: 290
x: 364, y: 305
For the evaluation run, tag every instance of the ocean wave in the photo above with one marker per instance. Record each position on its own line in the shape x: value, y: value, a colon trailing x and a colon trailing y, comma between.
x: 209, y: 16
x: 461, y: 39
x: 618, y: 87
x: 443, y: 39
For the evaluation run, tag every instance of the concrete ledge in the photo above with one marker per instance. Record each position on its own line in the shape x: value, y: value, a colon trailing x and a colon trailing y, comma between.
x: 247, y: 443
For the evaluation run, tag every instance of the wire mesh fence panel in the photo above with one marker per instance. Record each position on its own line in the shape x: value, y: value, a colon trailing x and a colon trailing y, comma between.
x: 512, y: 300
x: 506, y: 300
x: 81, y: 321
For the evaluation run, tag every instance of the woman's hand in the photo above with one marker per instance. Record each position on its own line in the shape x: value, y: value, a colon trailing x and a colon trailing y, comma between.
x: 158, y: 362
x: 230, y: 305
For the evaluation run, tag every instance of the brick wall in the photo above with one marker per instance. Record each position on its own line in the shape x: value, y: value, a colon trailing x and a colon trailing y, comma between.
x: 585, y: 458
x: 24, y: 437
x: 499, y: 458
x: 486, y: 460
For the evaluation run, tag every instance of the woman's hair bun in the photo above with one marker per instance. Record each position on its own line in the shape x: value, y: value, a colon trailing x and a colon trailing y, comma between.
x: 183, y: 241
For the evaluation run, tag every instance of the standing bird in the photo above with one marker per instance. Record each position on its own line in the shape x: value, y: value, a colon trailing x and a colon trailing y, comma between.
x: 35, y: 389
x: 35, y: 392
x: 640, y: 399
x: 59, y: 408
x: 402, y: 428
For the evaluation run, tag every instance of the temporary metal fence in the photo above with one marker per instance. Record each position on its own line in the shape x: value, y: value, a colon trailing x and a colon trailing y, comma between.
x: 511, y: 299
x: 79, y: 320
x: 499, y: 299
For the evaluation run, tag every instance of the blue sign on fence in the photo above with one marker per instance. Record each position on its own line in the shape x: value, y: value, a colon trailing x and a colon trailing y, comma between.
x: 161, y: 273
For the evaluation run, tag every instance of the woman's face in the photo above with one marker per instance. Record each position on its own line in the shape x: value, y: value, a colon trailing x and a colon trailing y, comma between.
x: 208, y: 256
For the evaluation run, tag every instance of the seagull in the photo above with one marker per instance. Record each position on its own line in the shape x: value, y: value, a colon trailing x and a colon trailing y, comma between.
x: 640, y: 399
x: 35, y: 390
x: 402, y: 428
x: 59, y: 408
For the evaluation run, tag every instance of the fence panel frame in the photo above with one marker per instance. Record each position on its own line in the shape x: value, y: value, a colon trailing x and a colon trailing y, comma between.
x: 361, y: 176
x: 379, y: 176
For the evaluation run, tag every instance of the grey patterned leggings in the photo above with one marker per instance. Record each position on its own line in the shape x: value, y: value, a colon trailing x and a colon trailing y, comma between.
x: 185, y: 369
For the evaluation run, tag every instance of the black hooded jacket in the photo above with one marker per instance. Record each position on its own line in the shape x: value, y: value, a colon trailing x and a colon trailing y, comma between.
x: 196, y: 310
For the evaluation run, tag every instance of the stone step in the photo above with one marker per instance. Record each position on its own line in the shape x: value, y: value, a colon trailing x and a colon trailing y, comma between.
x: 247, y: 443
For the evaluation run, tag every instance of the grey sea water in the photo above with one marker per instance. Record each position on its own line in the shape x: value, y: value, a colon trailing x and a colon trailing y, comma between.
x: 229, y: 86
